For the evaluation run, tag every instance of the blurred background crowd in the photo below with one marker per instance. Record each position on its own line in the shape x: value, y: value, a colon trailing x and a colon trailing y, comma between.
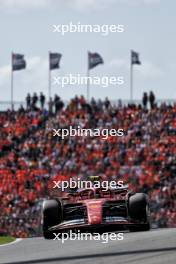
x: 31, y: 158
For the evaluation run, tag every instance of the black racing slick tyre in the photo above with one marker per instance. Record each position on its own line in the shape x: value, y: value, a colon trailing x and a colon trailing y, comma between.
x: 52, y: 213
x: 139, y: 210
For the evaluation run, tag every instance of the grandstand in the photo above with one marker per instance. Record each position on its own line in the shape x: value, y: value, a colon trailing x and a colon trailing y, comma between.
x: 5, y: 105
x: 30, y: 157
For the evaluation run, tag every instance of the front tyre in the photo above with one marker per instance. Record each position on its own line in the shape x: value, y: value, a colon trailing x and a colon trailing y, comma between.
x: 139, y: 210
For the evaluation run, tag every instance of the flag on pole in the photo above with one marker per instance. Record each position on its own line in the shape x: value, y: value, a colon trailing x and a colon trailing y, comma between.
x: 94, y: 59
x: 54, y: 60
x: 135, y: 58
x: 18, y: 62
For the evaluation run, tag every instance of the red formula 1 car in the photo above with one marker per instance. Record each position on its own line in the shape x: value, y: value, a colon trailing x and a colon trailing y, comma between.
x: 96, y: 209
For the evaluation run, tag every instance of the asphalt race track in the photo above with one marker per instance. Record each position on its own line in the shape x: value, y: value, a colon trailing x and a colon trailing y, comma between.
x: 154, y: 247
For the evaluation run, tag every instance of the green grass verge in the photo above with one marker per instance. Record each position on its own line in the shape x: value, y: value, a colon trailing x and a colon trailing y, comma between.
x: 6, y: 239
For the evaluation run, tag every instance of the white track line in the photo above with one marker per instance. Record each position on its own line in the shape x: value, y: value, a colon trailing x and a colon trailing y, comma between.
x: 17, y: 240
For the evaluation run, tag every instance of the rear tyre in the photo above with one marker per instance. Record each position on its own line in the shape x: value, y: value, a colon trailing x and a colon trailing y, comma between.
x: 51, y: 216
x: 139, y: 210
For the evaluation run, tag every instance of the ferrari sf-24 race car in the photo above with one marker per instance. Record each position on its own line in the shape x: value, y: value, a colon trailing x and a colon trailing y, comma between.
x: 96, y: 209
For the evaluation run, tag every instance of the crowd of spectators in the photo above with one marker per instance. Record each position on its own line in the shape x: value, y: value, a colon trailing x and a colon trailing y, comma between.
x: 31, y: 158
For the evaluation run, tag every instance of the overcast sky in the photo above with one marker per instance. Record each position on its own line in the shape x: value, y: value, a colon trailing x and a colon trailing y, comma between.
x: 26, y: 28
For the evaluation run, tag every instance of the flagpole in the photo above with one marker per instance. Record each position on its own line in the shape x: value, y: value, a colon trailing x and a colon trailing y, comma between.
x: 131, y: 80
x: 88, y: 75
x: 12, y: 81
x: 88, y: 84
x: 49, y: 79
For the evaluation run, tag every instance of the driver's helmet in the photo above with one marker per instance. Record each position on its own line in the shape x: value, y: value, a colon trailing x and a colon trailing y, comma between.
x: 94, y: 178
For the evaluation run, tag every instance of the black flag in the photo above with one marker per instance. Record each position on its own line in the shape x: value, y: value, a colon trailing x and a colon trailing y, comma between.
x: 18, y: 62
x: 54, y: 60
x: 135, y: 58
x: 94, y: 59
